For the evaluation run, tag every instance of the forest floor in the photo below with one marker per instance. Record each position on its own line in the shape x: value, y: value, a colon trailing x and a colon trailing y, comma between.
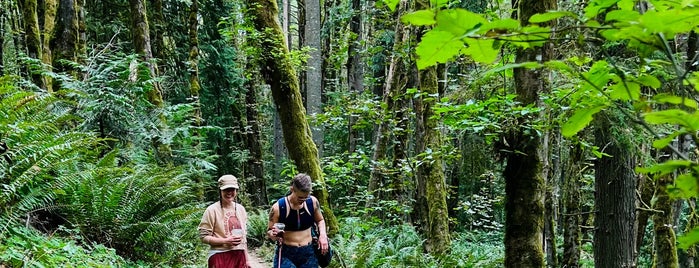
x: 256, y: 262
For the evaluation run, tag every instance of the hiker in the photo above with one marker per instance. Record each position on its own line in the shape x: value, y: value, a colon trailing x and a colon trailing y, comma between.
x: 223, y: 228
x: 298, y: 212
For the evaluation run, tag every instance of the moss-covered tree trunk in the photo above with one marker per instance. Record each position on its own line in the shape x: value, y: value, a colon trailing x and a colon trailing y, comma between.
x: 65, y: 45
x: 431, y: 170
x: 615, y: 186
x: 278, y: 72
x: 571, y: 207
x: 158, y: 30
x: 524, y: 184
x: 47, y: 33
x: 194, y: 85
x: 664, y: 241
x: 32, y: 36
x: 142, y: 46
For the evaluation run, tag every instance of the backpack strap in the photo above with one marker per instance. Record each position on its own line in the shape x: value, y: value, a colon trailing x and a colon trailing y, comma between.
x: 283, y: 210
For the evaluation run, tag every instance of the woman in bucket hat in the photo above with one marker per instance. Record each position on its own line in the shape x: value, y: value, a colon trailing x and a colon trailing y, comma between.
x: 223, y: 228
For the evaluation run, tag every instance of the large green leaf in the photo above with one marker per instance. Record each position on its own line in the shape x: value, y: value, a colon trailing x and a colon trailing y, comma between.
x: 437, y: 47
x: 685, y: 187
x: 625, y: 90
x: 673, y: 99
x: 391, y: 4
x: 580, y: 119
x: 664, y: 142
x: 419, y: 18
x: 622, y: 15
x: 482, y: 50
x: 459, y: 21
x: 674, y: 117
x: 665, y: 168
x: 688, y: 239
x: 595, y: 6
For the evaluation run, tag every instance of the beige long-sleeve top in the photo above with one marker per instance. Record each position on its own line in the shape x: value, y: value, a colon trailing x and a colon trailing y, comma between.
x: 219, y: 222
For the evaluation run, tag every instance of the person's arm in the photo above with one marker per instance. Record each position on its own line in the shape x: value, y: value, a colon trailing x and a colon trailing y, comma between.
x: 273, y: 218
x: 320, y: 221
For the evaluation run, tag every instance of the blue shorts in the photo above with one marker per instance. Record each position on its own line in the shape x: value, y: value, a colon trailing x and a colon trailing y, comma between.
x: 296, y: 257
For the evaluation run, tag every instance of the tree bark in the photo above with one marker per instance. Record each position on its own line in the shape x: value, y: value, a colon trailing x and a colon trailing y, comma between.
x: 614, y: 195
x: 32, y: 33
x: 194, y: 85
x: 142, y: 45
x: 524, y: 185
x: 278, y: 72
x: 314, y: 72
x: 664, y: 240
x: 431, y: 171
x: 355, y: 72
x: 65, y: 45
x: 571, y: 203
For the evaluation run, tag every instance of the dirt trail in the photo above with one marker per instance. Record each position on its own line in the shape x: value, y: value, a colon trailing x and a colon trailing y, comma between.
x: 256, y: 262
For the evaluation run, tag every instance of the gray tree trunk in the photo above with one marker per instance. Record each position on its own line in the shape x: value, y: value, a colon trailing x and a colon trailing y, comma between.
x: 314, y: 72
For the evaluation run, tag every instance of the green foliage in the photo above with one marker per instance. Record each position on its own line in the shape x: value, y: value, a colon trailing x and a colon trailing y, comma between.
x: 257, y: 227
x: 142, y: 210
x: 363, y: 244
x: 40, y: 153
x: 27, y: 248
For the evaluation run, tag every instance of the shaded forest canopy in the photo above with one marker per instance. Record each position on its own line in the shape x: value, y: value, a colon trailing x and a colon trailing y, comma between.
x: 439, y: 133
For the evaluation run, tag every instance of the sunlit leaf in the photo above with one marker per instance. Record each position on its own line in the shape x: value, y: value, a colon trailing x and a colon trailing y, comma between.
x: 622, y: 15
x: 664, y: 142
x: 459, y: 21
x: 685, y: 187
x: 419, y: 18
x: 674, y: 117
x: 481, y: 50
x: 580, y: 119
x: 688, y: 239
x: 673, y: 99
x: 437, y: 47
x: 665, y: 168
x: 391, y: 4
x: 625, y: 91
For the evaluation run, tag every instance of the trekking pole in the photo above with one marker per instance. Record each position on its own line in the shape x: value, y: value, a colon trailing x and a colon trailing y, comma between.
x: 279, y: 258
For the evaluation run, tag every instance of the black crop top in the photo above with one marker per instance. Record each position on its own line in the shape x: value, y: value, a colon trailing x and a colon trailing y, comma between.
x: 297, y: 220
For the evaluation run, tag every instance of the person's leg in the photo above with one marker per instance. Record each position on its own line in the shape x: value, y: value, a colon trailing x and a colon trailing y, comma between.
x: 309, y: 256
x: 285, y: 261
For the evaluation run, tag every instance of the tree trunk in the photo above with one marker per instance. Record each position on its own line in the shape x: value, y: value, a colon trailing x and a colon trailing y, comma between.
x: 431, y: 171
x: 524, y: 184
x: 664, y: 235
x: 141, y: 42
x: 47, y: 33
x: 355, y: 72
x: 549, y: 200
x: 194, y: 86
x: 65, y: 45
x: 278, y: 72
x: 254, y: 173
x: 32, y: 33
x: 159, y: 29
x: 571, y: 203
x: 614, y: 195
x: 314, y: 72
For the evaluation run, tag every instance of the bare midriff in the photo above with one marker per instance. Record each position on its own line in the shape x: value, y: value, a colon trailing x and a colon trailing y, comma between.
x: 298, y: 238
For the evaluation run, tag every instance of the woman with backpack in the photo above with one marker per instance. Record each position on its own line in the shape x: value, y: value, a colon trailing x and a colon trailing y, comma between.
x: 299, y: 212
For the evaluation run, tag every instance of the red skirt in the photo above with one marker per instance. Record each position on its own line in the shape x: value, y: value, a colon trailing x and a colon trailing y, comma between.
x: 229, y: 259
